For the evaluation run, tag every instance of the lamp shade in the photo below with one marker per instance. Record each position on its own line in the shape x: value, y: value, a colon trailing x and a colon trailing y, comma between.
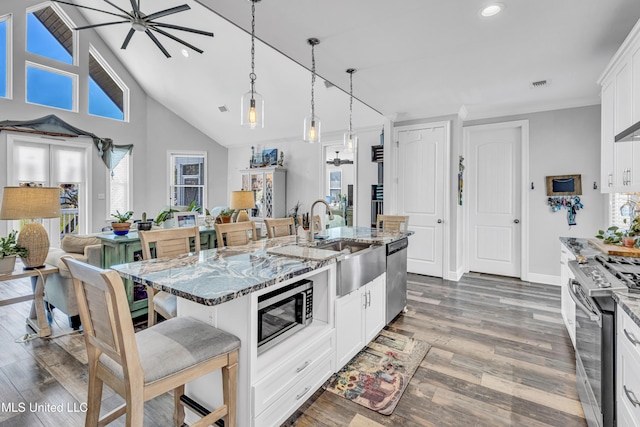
x: 30, y: 202
x: 242, y: 200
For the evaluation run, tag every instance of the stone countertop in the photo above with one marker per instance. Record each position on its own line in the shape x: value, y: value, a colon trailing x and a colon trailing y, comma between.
x: 215, y: 276
x: 579, y: 246
x: 630, y: 303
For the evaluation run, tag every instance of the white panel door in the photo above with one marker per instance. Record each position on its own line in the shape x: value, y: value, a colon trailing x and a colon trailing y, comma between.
x: 421, y: 167
x: 493, y: 183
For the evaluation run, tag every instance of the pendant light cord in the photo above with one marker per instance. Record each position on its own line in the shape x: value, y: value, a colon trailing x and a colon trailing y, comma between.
x: 253, y: 76
x: 313, y: 79
x: 350, y: 102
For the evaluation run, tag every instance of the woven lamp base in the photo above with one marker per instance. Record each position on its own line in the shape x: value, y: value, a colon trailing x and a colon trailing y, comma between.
x: 34, y: 237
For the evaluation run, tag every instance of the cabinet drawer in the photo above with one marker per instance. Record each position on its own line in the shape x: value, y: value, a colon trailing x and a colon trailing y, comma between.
x: 629, y: 332
x: 277, y: 382
x: 296, y: 394
x: 629, y: 387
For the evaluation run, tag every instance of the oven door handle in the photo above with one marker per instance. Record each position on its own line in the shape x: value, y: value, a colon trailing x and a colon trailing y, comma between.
x: 594, y: 317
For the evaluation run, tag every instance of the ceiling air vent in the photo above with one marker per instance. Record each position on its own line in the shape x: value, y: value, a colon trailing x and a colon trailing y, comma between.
x: 539, y: 84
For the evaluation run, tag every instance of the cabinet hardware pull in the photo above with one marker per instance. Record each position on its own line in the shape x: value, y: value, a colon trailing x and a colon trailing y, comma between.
x: 303, y: 367
x: 306, y: 389
x: 369, y: 298
x: 631, y: 396
x: 631, y: 337
x: 365, y: 299
x: 610, y: 180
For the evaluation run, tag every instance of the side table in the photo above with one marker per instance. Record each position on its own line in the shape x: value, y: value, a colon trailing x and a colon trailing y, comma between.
x: 37, y: 319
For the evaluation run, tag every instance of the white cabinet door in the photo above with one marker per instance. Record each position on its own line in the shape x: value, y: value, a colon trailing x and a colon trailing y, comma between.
x: 623, y: 155
x: 349, y: 326
x: 607, y: 138
x: 567, y: 306
x: 623, y: 103
x: 375, y: 293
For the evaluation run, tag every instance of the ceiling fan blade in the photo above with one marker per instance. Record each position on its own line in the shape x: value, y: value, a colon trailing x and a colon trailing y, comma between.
x: 127, y: 39
x: 166, y: 12
x: 135, y: 7
x: 102, y: 25
x: 172, y: 37
x: 157, y: 42
x: 119, y: 8
x: 127, y: 16
x: 177, y: 27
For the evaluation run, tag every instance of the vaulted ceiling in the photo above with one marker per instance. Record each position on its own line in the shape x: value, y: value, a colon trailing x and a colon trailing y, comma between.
x: 415, y: 59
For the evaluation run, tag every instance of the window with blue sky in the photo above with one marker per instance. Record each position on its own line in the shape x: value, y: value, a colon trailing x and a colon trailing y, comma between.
x: 3, y: 56
x: 106, y: 97
x: 49, y: 36
x: 50, y: 87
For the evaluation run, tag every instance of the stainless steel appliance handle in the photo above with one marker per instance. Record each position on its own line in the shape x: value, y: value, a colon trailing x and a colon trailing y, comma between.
x: 631, y: 396
x: 631, y: 337
x: 594, y: 317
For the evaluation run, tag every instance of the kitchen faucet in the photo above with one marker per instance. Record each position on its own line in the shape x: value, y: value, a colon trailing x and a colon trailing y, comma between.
x: 311, y: 214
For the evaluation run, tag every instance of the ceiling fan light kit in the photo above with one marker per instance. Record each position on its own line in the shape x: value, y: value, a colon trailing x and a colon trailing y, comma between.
x: 252, y: 103
x: 312, y: 122
x: 350, y: 138
x: 141, y: 22
x: 337, y: 161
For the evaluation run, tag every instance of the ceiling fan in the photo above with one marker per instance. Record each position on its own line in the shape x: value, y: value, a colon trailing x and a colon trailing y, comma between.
x: 339, y: 162
x: 146, y: 23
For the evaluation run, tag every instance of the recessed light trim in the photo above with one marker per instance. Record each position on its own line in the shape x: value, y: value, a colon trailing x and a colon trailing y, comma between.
x: 491, y: 10
x: 185, y: 53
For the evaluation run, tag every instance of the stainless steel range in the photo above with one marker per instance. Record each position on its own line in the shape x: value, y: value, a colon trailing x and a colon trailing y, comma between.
x: 595, y: 280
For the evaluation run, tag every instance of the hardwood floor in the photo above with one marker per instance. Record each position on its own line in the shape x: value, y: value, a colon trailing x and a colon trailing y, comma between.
x: 500, y: 357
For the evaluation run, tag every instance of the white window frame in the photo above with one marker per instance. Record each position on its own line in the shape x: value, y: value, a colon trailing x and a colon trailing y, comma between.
x: 8, y: 19
x: 125, y: 89
x: 68, y: 22
x: 74, y: 79
x: 170, y: 184
x: 109, y: 218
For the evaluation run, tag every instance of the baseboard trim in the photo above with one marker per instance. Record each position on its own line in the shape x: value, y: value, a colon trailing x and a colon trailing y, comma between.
x: 546, y: 279
x: 455, y: 275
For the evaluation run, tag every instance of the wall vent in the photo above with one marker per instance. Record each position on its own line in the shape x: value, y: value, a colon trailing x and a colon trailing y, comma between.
x: 540, y: 84
x: 223, y: 108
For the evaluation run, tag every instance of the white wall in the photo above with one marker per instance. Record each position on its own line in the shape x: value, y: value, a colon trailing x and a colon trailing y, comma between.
x: 304, y: 174
x: 561, y: 142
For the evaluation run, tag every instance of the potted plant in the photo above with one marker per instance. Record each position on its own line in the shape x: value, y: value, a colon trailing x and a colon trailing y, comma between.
x: 166, y: 217
x: 144, y: 225
x: 9, y: 250
x: 224, y: 216
x: 122, y: 225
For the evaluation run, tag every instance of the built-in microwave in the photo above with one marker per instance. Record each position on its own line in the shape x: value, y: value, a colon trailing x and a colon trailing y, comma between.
x: 284, y: 312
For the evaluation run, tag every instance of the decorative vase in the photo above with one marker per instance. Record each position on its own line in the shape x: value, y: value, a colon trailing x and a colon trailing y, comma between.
x: 144, y: 225
x: 7, y: 264
x: 120, y: 228
x: 628, y: 242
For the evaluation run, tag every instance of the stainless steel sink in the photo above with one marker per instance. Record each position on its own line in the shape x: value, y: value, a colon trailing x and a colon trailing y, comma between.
x: 360, y: 264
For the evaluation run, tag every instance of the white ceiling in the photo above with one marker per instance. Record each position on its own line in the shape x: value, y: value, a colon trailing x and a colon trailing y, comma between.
x: 415, y: 59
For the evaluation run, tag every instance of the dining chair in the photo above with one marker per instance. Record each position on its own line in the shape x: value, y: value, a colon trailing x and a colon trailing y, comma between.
x: 279, y: 227
x: 397, y: 223
x: 141, y: 366
x: 168, y: 243
x: 235, y: 234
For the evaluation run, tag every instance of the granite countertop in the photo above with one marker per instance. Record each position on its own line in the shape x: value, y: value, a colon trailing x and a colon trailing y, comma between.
x: 215, y: 276
x: 579, y: 246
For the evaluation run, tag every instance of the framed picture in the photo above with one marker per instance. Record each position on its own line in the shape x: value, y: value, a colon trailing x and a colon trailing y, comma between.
x: 186, y: 219
x: 270, y: 157
x: 564, y: 185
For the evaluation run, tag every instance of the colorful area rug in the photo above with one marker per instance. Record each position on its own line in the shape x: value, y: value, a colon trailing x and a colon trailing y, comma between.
x: 378, y: 375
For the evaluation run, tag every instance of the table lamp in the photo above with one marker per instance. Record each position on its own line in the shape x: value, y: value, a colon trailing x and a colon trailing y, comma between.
x: 242, y: 200
x: 31, y: 203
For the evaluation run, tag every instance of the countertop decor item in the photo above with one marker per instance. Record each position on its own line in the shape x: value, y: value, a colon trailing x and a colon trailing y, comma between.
x: 122, y: 225
x: 9, y: 250
x: 312, y: 122
x: 242, y: 200
x: 252, y: 103
x: 31, y: 203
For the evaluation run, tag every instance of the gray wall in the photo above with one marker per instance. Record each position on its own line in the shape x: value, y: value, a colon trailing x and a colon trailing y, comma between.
x: 561, y: 142
x: 152, y: 129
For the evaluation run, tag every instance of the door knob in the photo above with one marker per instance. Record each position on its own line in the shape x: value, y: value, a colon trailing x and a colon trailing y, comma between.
x: 439, y: 221
x: 517, y: 221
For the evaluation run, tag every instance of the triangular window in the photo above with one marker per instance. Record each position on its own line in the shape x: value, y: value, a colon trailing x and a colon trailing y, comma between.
x: 107, y: 93
x: 49, y: 35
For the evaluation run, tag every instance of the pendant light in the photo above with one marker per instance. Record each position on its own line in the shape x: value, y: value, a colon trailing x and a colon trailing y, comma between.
x: 350, y: 138
x: 312, y: 122
x: 252, y: 104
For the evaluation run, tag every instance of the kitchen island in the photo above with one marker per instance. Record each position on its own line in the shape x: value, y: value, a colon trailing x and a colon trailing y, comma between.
x: 222, y: 287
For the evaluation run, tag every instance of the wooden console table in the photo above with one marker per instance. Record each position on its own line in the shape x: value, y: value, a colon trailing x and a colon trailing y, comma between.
x: 37, y: 319
x: 127, y: 248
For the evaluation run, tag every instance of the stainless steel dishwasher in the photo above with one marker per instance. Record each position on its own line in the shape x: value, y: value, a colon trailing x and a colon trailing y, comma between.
x: 396, y: 277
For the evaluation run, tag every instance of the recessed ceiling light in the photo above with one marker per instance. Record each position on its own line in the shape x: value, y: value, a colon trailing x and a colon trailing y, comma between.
x: 185, y: 53
x: 492, y: 9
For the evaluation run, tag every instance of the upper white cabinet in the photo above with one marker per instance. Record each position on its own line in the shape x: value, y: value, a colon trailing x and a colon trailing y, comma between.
x: 620, y: 97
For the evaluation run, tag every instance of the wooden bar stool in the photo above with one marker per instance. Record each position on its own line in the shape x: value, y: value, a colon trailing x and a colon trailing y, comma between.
x: 279, y: 227
x: 398, y: 223
x: 141, y: 366
x: 235, y: 234
x: 168, y: 243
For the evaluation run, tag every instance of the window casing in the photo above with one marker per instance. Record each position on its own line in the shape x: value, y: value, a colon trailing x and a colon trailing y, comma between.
x: 51, y: 87
x: 187, y: 178
x: 6, y: 43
